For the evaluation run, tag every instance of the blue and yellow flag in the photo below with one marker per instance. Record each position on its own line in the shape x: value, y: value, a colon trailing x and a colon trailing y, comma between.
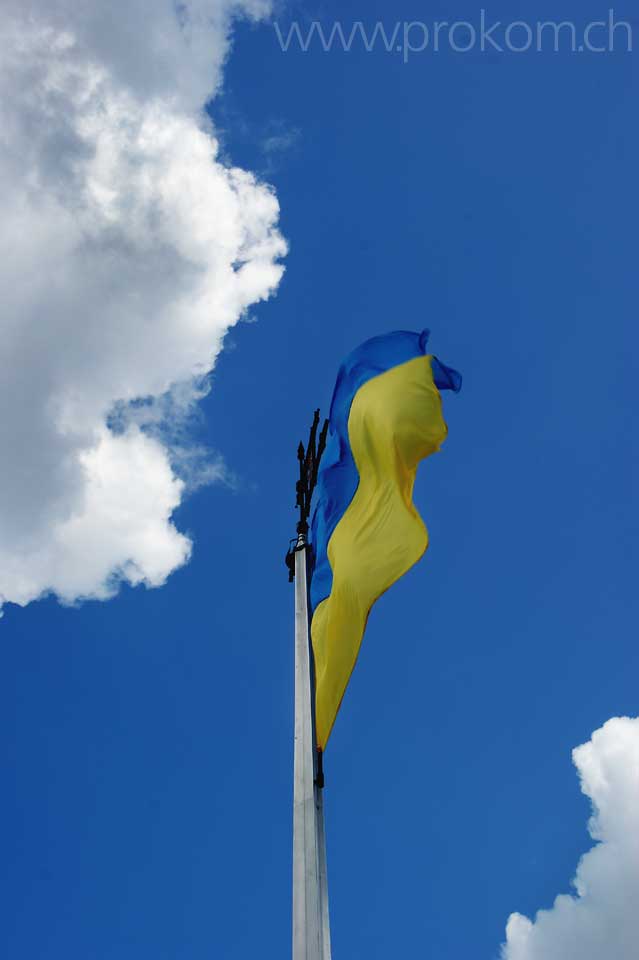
x: 386, y: 416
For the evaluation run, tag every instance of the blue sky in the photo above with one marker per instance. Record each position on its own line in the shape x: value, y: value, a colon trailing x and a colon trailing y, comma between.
x: 147, y: 740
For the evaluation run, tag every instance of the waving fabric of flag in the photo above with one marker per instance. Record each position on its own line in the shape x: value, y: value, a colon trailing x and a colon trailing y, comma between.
x: 385, y: 417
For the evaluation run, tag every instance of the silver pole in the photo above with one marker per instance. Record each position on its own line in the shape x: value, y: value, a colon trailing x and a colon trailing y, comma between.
x: 323, y: 875
x: 311, y: 933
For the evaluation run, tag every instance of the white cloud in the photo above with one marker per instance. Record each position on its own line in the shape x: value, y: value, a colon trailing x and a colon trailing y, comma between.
x: 601, y: 921
x: 127, y: 250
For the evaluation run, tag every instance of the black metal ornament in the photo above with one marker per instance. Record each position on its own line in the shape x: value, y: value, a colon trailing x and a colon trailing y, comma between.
x: 309, y: 461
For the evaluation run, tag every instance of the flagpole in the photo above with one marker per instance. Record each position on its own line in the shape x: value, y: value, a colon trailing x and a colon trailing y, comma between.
x: 311, y: 926
x: 323, y: 874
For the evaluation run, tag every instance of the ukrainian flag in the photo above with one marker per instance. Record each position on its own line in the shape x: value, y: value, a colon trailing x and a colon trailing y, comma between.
x: 386, y: 416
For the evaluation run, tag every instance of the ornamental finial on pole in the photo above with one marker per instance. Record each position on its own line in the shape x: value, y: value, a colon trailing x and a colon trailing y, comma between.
x: 309, y: 461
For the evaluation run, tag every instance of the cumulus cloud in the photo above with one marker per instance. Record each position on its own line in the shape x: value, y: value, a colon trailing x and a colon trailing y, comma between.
x: 601, y: 921
x: 127, y: 250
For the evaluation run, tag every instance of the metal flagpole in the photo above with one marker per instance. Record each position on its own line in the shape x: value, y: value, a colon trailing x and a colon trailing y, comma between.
x: 311, y: 929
